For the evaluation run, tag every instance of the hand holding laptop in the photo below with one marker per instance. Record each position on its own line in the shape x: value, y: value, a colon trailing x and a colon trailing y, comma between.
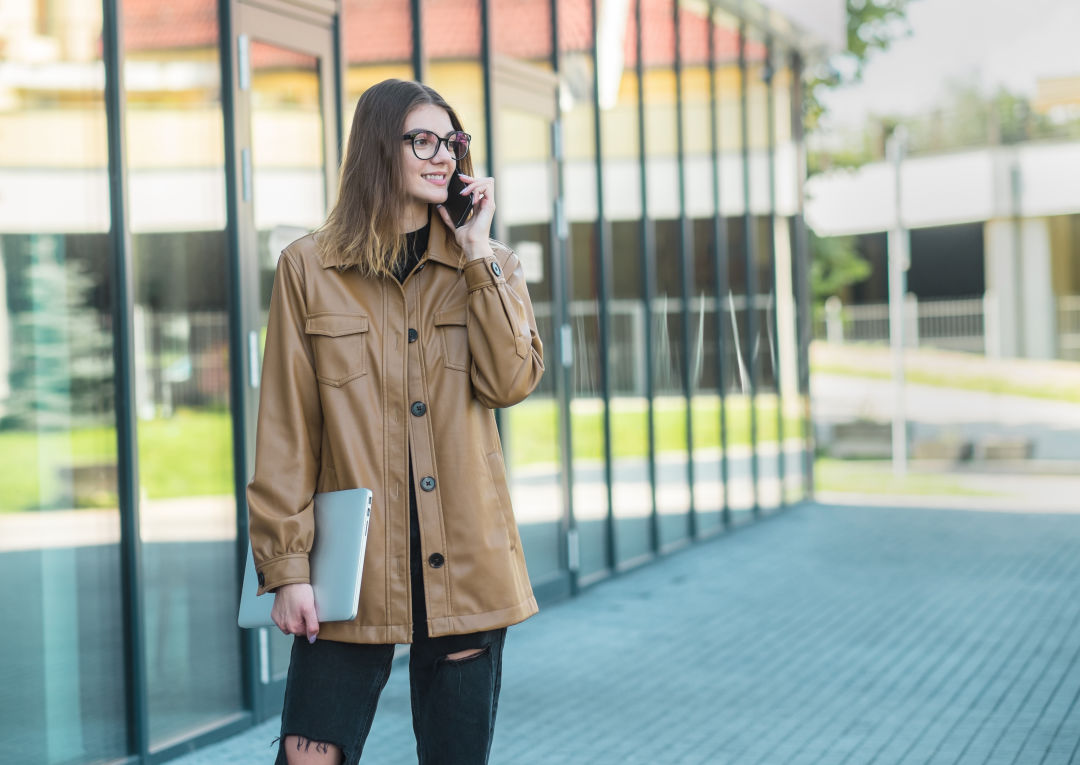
x: 336, y: 563
x: 294, y: 610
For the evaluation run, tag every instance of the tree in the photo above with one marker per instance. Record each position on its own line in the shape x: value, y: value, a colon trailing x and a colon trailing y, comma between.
x: 61, y: 372
x: 872, y: 25
x: 836, y: 264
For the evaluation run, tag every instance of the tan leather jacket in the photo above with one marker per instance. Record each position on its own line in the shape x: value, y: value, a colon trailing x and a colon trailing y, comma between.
x: 356, y: 371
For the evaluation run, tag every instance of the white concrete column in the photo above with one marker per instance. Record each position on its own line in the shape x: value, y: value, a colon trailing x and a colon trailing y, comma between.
x: 999, y: 245
x: 1037, y: 290
x: 1019, y: 288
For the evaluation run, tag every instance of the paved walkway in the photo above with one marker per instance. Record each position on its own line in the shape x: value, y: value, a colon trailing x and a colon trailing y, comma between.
x: 825, y: 635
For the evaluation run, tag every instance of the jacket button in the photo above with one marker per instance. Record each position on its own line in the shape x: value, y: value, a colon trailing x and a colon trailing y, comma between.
x: 262, y: 579
x: 427, y: 483
x: 418, y: 408
x: 413, y: 334
x: 495, y: 269
x: 436, y: 560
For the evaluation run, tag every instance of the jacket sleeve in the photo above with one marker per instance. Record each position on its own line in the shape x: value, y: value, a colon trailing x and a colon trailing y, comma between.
x: 288, y: 440
x: 507, y: 355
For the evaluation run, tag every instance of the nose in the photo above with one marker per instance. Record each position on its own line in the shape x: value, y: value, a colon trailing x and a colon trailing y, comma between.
x: 443, y: 149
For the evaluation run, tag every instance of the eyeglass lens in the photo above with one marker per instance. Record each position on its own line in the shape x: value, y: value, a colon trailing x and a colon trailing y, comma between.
x: 426, y: 144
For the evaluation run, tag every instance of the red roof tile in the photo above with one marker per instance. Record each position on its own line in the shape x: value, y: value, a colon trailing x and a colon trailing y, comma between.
x: 381, y: 30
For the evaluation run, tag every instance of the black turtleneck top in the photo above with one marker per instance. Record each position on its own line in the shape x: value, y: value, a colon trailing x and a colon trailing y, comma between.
x: 416, y: 243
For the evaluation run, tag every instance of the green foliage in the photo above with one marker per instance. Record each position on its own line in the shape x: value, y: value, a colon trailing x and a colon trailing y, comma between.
x: 872, y: 25
x: 834, y: 265
x: 61, y: 350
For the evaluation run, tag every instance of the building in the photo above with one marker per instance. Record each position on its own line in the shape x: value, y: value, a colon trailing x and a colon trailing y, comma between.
x: 154, y: 159
x: 994, y: 231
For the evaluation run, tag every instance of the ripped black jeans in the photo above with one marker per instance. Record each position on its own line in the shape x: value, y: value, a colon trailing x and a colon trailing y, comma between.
x: 333, y: 688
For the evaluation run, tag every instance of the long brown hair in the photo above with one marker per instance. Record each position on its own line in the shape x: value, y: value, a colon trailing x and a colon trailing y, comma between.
x: 362, y: 229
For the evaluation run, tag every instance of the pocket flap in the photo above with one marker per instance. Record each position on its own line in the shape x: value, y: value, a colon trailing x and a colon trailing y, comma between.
x: 454, y: 316
x: 336, y: 324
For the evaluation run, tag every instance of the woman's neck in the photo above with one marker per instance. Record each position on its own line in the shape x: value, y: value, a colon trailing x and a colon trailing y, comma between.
x: 416, y: 217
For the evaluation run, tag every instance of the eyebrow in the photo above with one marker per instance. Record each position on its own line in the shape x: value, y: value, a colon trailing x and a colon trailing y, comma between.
x: 429, y: 130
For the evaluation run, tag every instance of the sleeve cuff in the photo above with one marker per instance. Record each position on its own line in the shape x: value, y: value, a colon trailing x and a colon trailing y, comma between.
x: 286, y: 569
x: 483, y: 272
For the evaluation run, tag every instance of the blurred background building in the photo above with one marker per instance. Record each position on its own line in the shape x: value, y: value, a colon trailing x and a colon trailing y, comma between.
x: 154, y: 159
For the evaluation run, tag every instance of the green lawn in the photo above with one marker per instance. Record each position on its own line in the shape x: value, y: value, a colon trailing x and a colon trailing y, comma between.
x: 533, y: 427
x: 187, y: 454
x: 876, y: 477
x: 190, y: 453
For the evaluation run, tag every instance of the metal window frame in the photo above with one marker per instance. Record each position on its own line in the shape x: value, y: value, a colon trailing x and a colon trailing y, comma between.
x: 561, y: 286
x: 770, y: 96
x: 602, y: 260
x: 720, y: 268
x: 647, y: 255
x: 748, y: 260
x: 127, y: 449
x: 801, y: 261
x: 685, y: 245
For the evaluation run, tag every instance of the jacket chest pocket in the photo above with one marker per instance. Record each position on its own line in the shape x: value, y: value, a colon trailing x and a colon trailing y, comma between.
x: 454, y: 335
x: 338, y: 341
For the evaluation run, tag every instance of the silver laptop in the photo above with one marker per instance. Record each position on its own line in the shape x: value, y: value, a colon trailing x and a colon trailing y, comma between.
x: 336, y: 560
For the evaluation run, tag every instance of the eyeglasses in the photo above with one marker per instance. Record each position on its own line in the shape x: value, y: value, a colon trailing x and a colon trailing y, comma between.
x: 425, y: 144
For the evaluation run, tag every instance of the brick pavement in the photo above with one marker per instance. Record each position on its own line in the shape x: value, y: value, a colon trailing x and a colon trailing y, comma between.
x: 821, y: 636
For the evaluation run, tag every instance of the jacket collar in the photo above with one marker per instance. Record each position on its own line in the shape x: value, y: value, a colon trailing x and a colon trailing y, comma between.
x: 436, y: 251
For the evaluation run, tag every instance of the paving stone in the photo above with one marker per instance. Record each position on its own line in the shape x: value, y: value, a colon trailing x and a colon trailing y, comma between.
x: 824, y: 635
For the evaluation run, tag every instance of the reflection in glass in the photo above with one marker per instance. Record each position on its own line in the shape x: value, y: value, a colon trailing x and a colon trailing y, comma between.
x: 62, y: 675
x: 760, y: 259
x: 700, y: 207
x: 586, y: 384
x: 628, y: 352
x: 378, y: 45
x: 288, y: 181
x: 531, y: 428
x: 452, y: 45
x: 181, y: 344
x: 666, y: 308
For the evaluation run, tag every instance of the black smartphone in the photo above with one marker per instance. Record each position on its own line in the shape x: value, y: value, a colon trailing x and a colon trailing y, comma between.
x: 457, y: 205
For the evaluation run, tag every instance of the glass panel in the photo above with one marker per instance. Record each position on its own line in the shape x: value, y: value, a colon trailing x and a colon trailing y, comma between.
x: 662, y: 177
x: 181, y: 344
x: 288, y: 182
x: 62, y: 676
x: 586, y: 386
x: 762, y: 341
x: 531, y: 429
x: 452, y: 44
x: 700, y: 208
x: 522, y: 28
x: 786, y: 183
x: 740, y: 490
x: 378, y: 46
x: 620, y: 139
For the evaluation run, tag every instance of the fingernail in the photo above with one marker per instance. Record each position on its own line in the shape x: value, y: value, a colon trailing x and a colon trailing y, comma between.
x: 311, y: 639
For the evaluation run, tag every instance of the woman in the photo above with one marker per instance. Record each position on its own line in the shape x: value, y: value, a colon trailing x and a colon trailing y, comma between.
x: 392, y: 336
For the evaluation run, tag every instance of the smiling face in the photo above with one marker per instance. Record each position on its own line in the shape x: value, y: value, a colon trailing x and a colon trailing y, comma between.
x: 425, y: 179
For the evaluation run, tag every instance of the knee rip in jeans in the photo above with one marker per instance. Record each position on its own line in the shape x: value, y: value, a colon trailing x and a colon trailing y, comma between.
x: 464, y: 655
x: 303, y: 744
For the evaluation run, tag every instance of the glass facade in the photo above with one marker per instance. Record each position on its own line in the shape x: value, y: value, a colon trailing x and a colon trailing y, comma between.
x: 155, y: 159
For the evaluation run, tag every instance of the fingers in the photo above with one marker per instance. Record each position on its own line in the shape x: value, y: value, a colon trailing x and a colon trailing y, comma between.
x: 294, y: 611
x: 310, y: 623
x: 480, y: 188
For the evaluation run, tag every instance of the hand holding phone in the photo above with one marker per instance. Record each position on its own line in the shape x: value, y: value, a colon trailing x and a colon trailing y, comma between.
x: 457, y: 205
